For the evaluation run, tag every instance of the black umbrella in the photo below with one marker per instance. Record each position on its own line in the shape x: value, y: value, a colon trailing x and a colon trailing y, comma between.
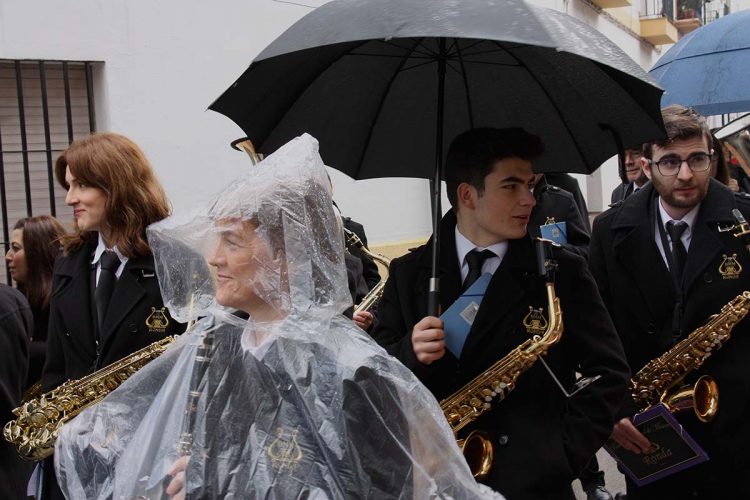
x: 380, y: 83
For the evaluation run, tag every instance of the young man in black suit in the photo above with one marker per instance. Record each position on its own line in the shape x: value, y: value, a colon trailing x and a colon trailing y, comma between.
x: 541, y: 438
x: 663, y: 267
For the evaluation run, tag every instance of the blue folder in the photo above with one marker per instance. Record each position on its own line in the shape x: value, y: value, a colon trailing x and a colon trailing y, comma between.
x: 459, y: 317
x: 555, y: 231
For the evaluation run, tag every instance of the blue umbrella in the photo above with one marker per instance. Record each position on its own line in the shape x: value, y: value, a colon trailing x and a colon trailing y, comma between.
x: 709, y: 68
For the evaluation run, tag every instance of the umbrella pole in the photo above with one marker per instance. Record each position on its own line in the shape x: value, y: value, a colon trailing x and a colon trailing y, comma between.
x: 433, y: 297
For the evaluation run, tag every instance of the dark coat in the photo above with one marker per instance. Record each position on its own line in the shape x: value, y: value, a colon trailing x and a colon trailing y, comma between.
x: 38, y: 347
x: 637, y: 288
x: 72, y: 349
x: 570, y: 184
x: 16, y: 325
x: 541, y: 439
x: 621, y: 192
x: 552, y: 201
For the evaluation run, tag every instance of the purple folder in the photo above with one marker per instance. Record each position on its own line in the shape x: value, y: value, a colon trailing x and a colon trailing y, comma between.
x: 672, y: 448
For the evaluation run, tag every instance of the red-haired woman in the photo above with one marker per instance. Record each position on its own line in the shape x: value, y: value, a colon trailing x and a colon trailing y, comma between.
x: 34, y: 245
x: 106, y: 302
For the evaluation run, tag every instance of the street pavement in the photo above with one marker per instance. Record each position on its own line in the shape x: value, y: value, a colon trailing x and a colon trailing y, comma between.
x: 614, y: 480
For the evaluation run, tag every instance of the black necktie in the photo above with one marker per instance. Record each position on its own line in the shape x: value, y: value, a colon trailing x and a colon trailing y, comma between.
x: 679, y: 254
x: 475, y: 259
x: 107, y: 279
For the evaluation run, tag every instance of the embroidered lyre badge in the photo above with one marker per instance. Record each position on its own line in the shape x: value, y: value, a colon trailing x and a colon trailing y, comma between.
x: 535, y: 321
x: 157, y: 321
x: 730, y: 268
x: 284, y: 453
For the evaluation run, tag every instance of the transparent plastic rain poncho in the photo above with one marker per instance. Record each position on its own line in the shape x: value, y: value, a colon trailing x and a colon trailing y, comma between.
x: 294, y: 402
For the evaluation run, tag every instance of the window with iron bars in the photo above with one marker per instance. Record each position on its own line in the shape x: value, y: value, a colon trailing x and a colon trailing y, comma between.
x: 44, y: 106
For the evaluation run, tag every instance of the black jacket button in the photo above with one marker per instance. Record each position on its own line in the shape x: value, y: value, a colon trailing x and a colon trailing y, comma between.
x: 651, y: 328
x: 708, y: 278
x: 502, y: 440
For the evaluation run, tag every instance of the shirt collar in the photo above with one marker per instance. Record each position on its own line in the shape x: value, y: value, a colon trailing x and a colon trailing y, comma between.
x: 101, y: 248
x: 688, y: 218
x: 464, y: 246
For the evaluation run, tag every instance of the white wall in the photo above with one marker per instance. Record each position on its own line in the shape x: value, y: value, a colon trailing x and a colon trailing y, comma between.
x: 165, y: 61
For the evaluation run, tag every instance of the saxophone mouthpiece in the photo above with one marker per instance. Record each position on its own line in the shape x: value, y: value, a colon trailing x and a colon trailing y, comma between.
x: 738, y: 216
x: 546, y: 264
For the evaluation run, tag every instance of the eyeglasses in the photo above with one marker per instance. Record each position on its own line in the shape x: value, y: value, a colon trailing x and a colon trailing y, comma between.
x: 670, y: 166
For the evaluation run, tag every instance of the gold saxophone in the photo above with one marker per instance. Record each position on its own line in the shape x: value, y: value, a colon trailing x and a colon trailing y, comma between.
x: 472, y: 400
x: 660, y: 380
x: 374, y: 295
x: 39, y: 420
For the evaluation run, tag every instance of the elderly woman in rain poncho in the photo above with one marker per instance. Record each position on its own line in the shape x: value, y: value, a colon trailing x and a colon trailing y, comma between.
x: 293, y: 400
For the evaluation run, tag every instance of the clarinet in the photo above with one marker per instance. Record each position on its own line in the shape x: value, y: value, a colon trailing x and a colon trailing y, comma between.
x: 200, y: 365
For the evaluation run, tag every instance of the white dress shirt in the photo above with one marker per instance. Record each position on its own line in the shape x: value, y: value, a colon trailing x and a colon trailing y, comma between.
x: 687, y: 236
x: 490, y: 265
x: 100, y: 249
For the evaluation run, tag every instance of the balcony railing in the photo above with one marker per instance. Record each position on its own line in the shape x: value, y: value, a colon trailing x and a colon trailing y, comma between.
x: 657, y: 22
x: 689, y: 9
x: 658, y: 8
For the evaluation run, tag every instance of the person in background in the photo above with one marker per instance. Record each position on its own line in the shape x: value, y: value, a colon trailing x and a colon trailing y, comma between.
x: 570, y: 184
x: 362, y: 276
x: 632, y: 176
x: 34, y: 246
x: 555, y: 203
x: 16, y: 325
x: 723, y: 171
x: 106, y: 302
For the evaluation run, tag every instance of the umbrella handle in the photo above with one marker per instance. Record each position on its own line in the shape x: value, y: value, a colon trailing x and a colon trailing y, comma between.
x: 433, y: 298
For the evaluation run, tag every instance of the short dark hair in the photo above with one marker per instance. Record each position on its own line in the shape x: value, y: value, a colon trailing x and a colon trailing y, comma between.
x: 473, y: 154
x: 681, y: 123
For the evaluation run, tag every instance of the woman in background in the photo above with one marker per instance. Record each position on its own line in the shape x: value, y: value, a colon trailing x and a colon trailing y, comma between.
x: 106, y: 302
x: 34, y: 245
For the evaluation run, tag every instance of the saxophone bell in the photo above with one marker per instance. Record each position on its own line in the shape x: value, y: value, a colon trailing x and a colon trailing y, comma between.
x: 478, y: 453
x: 701, y: 397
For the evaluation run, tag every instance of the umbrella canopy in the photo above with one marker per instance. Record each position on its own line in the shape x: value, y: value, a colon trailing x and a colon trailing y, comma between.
x: 379, y: 83
x: 708, y: 69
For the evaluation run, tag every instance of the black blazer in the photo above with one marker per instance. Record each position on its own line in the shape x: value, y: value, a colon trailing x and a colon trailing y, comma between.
x: 72, y: 350
x: 542, y: 440
x: 637, y: 288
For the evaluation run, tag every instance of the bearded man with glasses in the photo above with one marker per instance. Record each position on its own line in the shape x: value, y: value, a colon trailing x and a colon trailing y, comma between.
x: 663, y: 267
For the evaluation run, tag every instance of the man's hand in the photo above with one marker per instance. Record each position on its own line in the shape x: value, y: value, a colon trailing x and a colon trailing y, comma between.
x: 629, y: 437
x: 428, y: 340
x: 363, y: 319
x: 176, y: 488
